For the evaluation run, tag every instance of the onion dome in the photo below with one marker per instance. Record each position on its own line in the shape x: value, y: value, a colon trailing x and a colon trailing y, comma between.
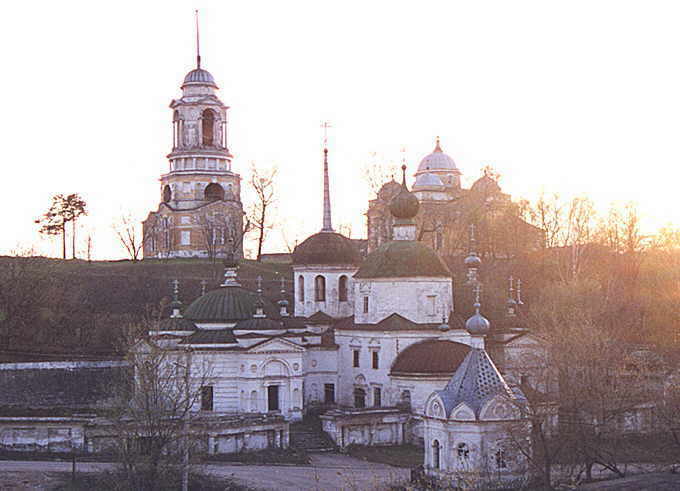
x: 389, y: 190
x: 404, y: 206
x: 473, y: 260
x: 477, y: 325
x: 199, y: 76
x: 430, y: 358
x: 403, y: 258
x: 326, y: 248
x: 428, y: 181
x: 437, y: 160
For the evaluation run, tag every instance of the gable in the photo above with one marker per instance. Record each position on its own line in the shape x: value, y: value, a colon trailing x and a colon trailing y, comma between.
x: 278, y: 345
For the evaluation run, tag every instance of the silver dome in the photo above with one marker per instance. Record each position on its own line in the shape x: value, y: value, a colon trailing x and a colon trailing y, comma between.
x: 428, y: 180
x: 437, y: 160
x: 199, y: 76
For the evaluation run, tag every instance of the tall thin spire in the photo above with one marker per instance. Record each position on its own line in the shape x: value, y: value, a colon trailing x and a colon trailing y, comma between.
x: 198, y: 44
x: 327, y: 224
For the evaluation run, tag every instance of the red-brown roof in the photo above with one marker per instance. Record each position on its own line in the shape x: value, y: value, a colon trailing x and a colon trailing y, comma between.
x: 430, y: 357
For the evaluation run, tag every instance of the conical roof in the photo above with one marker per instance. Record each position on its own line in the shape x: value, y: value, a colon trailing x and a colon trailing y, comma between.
x: 475, y: 382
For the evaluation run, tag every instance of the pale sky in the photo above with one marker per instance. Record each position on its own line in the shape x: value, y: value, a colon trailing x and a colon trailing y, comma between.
x: 570, y: 97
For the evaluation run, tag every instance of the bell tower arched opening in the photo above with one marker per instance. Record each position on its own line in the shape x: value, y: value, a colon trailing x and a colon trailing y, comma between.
x: 167, y: 194
x: 208, y: 121
x: 214, y: 192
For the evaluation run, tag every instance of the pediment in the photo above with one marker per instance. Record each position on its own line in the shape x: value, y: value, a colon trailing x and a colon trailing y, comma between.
x: 276, y: 346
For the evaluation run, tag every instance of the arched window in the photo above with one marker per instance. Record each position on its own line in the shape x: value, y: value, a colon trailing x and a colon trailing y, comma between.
x: 500, y: 459
x: 208, y: 127
x: 406, y: 399
x: 463, y: 451
x: 214, y: 192
x: 167, y: 194
x: 359, y: 397
x: 320, y: 289
x: 301, y: 288
x: 436, y: 450
x: 175, y: 130
x: 342, y: 289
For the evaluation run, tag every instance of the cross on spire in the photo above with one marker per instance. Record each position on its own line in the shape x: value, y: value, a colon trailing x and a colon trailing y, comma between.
x: 175, y: 289
x: 203, y: 285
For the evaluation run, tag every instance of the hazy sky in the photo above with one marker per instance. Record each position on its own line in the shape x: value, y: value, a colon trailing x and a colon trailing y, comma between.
x: 573, y: 97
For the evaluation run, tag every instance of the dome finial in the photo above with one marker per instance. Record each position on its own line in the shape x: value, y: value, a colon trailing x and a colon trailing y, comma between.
x: 477, y: 325
x: 403, y: 175
x: 437, y: 147
x: 176, y: 304
x: 511, y: 302
x: 198, y: 44
x: 259, y: 303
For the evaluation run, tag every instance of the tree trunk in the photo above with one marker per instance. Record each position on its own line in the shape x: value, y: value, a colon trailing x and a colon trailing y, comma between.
x: 261, y: 238
x: 73, y: 238
x: 63, y: 240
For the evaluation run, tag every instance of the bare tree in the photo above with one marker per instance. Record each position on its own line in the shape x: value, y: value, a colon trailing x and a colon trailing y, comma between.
x: 155, y: 410
x: 377, y: 171
x: 221, y: 233
x: 131, y: 235
x: 263, y: 183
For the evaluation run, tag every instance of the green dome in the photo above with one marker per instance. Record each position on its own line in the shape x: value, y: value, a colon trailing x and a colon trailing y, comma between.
x: 227, y: 304
x: 402, y: 258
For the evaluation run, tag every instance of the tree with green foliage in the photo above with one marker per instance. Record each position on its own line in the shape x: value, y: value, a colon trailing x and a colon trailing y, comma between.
x: 64, y: 209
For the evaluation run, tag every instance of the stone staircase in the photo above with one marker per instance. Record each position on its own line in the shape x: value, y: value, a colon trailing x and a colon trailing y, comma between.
x: 307, y: 435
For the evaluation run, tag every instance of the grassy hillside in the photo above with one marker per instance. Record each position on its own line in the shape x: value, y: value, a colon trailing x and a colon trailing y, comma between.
x: 54, y: 306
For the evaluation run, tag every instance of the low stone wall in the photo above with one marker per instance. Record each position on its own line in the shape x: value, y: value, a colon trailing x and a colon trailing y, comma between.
x: 213, y: 434
x: 370, y: 427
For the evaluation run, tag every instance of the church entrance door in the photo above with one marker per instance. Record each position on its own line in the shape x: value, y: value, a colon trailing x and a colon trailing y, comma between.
x: 273, y: 398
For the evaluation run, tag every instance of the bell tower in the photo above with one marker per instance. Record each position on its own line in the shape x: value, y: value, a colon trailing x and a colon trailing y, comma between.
x: 200, y: 212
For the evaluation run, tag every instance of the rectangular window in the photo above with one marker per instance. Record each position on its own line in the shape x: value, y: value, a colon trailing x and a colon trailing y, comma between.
x: 431, y: 304
x: 365, y: 305
x: 185, y: 221
x: 186, y: 237
x: 207, y: 398
x: 329, y: 393
x: 355, y: 360
x: 375, y: 360
x: 377, y: 397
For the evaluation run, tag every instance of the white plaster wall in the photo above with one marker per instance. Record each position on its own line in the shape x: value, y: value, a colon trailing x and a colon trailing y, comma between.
x: 332, y: 306
x: 388, y: 345
x: 408, y: 297
x: 320, y: 367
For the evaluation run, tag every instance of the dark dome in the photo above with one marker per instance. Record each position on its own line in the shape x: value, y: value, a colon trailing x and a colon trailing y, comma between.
x: 478, y: 324
x: 199, y: 76
x: 431, y: 357
x: 402, y: 258
x: 404, y: 205
x: 326, y: 248
x: 227, y: 304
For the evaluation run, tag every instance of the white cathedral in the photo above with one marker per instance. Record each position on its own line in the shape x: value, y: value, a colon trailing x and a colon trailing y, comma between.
x: 372, y: 346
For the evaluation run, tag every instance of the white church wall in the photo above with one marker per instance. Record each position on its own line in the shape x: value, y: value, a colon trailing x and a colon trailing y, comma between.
x: 422, y: 300
x: 320, y: 367
x: 388, y: 345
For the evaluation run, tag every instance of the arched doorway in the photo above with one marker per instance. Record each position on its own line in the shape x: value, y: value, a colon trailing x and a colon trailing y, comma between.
x: 436, y: 454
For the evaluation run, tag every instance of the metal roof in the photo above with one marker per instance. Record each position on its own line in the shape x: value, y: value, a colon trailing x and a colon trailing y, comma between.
x: 476, y: 381
x: 402, y: 258
x: 430, y: 357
